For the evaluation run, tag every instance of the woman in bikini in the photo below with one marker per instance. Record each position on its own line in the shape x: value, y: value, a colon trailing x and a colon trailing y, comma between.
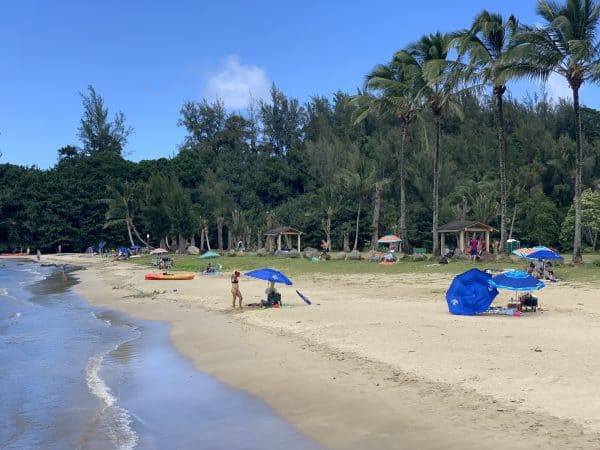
x: 235, y: 288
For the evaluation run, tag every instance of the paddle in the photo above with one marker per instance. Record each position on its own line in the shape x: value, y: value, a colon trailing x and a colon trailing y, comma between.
x: 303, y: 297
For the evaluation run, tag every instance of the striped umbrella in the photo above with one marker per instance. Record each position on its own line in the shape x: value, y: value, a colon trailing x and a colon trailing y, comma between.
x: 516, y: 280
x: 389, y: 239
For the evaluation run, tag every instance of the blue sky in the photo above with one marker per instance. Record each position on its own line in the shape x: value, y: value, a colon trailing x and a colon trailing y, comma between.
x: 147, y: 58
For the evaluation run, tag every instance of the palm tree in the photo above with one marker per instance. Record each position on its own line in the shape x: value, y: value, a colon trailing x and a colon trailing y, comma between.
x: 122, y: 206
x: 328, y: 201
x: 378, y: 189
x: 487, y: 43
x: 566, y: 45
x: 436, y: 78
x: 358, y: 180
x: 389, y: 92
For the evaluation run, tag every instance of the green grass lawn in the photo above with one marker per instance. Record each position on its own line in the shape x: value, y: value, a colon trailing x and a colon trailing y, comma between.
x: 298, y: 266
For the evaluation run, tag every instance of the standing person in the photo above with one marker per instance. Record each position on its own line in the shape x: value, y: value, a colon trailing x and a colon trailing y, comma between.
x: 473, y: 244
x: 324, y: 249
x: 39, y: 254
x: 235, y: 288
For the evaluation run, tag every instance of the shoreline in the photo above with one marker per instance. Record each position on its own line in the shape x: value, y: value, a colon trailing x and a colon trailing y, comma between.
x: 368, y: 370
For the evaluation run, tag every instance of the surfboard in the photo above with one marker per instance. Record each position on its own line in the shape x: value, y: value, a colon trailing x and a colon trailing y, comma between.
x: 303, y: 297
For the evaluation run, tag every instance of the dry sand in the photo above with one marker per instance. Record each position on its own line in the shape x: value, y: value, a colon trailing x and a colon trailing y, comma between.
x: 378, y: 362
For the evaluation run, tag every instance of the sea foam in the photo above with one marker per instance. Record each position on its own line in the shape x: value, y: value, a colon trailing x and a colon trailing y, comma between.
x: 117, y: 419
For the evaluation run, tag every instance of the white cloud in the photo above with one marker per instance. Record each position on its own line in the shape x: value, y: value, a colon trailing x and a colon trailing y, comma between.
x: 558, y: 87
x: 236, y: 84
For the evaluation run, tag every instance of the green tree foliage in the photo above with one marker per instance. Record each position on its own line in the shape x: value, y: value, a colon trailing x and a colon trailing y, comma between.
x: 590, y: 209
x: 96, y: 132
x: 313, y: 166
x: 487, y: 43
x: 567, y: 45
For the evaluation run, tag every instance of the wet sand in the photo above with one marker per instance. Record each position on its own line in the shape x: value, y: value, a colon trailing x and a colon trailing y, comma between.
x: 378, y: 361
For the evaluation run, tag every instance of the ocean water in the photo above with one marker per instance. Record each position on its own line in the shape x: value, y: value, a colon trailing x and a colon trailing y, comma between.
x: 74, y: 376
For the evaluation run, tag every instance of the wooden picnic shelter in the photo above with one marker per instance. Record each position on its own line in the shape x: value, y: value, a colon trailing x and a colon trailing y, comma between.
x: 287, y: 232
x: 461, y: 227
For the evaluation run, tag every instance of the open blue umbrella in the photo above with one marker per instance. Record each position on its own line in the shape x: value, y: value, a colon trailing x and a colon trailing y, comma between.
x: 269, y: 274
x: 516, y: 280
x: 470, y: 293
x: 543, y: 253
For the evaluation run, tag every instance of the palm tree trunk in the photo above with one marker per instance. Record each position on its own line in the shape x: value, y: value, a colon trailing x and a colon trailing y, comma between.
x: 220, y: 221
x: 328, y: 226
x: 502, y: 159
x: 137, y: 233
x: 402, y: 172
x: 512, y: 224
x: 577, y: 258
x: 376, y: 209
x: 181, y: 243
x: 436, y: 182
x: 128, y: 222
x: 206, y: 236
x: 357, y: 224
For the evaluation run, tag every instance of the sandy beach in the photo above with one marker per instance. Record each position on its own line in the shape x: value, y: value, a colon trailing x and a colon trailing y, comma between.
x: 377, y: 361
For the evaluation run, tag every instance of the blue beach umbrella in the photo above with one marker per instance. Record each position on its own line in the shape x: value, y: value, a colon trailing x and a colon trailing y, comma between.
x: 543, y: 253
x: 269, y: 274
x: 470, y: 293
x: 516, y: 280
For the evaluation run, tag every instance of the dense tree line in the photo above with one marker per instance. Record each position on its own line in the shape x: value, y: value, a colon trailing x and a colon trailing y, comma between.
x: 431, y: 138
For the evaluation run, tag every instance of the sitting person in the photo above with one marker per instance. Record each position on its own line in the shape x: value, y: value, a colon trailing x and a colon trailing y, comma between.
x: 209, y: 268
x: 550, y: 276
x: 390, y: 257
x: 271, y: 289
x: 273, y: 297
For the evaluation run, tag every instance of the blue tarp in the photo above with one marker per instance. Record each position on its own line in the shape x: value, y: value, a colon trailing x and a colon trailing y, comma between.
x: 470, y: 293
x: 516, y: 280
x: 124, y: 251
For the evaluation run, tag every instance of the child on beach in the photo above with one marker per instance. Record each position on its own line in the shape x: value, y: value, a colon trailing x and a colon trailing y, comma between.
x: 235, y: 288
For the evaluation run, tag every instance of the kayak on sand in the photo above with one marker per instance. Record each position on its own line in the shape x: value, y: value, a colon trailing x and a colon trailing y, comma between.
x: 169, y: 276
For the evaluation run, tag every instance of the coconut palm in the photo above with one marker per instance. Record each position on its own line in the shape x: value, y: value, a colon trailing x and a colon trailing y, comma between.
x: 566, y: 45
x: 122, y: 206
x: 388, y: 92
x: 328, y: 200
x: 358, y: 181
x: 487, y: 43
x: 437, y: 80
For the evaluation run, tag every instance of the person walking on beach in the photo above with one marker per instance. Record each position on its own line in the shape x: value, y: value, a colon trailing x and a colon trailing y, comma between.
x: 235, y: 288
